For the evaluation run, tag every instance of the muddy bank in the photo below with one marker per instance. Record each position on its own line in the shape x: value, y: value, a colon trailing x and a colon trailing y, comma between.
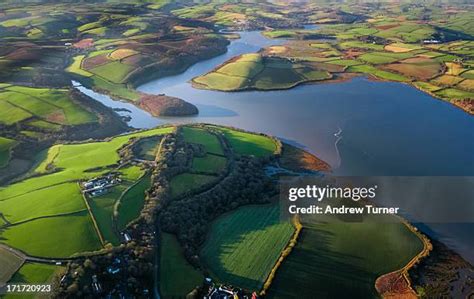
x: 444, y: 273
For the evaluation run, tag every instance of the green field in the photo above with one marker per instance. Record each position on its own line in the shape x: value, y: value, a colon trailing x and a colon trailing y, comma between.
x: 209, y: 163
x: 177, y: 276
x: 89, y: 26
x: 132, y: 202
x: 55, y: 194
x: 361, y: 45
x: 53, y: 105
x: 278, y: 78
x: 410, y: 32
x: 280, y: 34
x: 103, y: 211
x: 248, y: 65
x: 427, y: 86
x: 333, y: 258
x: 10, y: 114
x: 370, y: 70
x: 130, y: 193
x: 244, y: 245
x: 6, y: 146
x: 10, y: 264
x: 221, y: 82
x: 453, y: 93
x: 245, y: 143
x: 35, y: 204
x: 147, y: 148
x: 201, y: 136
x: 34, y: 273
x: 383, y: 57
x: 253, y: 71
x: 468, y: 74
x: 113, y: 71
x: 188, y: 181
x: 131, y: 173
x: 120, y: 90
x: 75, y: 67
x: 60, y: 236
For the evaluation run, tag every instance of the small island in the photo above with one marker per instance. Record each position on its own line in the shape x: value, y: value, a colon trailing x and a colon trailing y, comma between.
x: 163, y: 105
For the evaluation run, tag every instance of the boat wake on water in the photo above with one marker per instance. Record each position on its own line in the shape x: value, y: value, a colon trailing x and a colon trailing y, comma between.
x: 338, y: 136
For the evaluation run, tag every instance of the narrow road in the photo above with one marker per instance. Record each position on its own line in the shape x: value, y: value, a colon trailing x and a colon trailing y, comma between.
x: 34, y: 259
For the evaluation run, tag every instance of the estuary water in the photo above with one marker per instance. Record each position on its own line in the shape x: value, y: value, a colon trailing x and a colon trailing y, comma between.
x: 360, y: 127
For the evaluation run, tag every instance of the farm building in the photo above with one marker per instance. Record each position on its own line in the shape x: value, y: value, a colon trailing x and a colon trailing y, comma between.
x: 100, y: 185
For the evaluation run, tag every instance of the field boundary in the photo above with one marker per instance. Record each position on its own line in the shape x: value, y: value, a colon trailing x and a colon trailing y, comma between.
x: 117, y: 204
x: 6, y: 276
x: 43, y: 217
x: 285, y: 252
x: 94, y: 221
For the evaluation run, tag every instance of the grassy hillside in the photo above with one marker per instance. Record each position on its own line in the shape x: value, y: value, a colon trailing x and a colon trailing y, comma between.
x: 177, y: 276
x: 201, y: 136
x: 254, y: 71
x: 244, y: 143
x: 333, y: 258
x: 50, y: 105
x: 132, y: 202
x: 59, y: 236
x: 48, y: 212
x: 188, y: 181
x: 243, y: 246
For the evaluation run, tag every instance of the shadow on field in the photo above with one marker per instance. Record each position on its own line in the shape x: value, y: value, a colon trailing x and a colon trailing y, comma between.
x: 243, y: 246
x: 315, y: 270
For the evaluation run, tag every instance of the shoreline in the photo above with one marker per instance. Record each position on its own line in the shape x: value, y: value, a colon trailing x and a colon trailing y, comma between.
x: 337, y: 78
x: 398, y: 282
x: 343, y: 77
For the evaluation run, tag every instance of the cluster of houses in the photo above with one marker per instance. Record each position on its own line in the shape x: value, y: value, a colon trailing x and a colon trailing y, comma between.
x: 100, y: 185
x: 225, y: 292
x: 118, y: 267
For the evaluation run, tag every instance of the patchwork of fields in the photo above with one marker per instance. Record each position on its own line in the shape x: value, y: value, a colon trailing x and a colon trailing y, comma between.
x: 111, y: 47
x: 255, y: 222
x: 332, y: 255
x: 333, y: 258
x: 115, y: 59
x: 29, y: 114
x: 47, y: 214
x: 252, y: 71
x: 204, y: 169
x: 42, y: 108
x: 384, y: 48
